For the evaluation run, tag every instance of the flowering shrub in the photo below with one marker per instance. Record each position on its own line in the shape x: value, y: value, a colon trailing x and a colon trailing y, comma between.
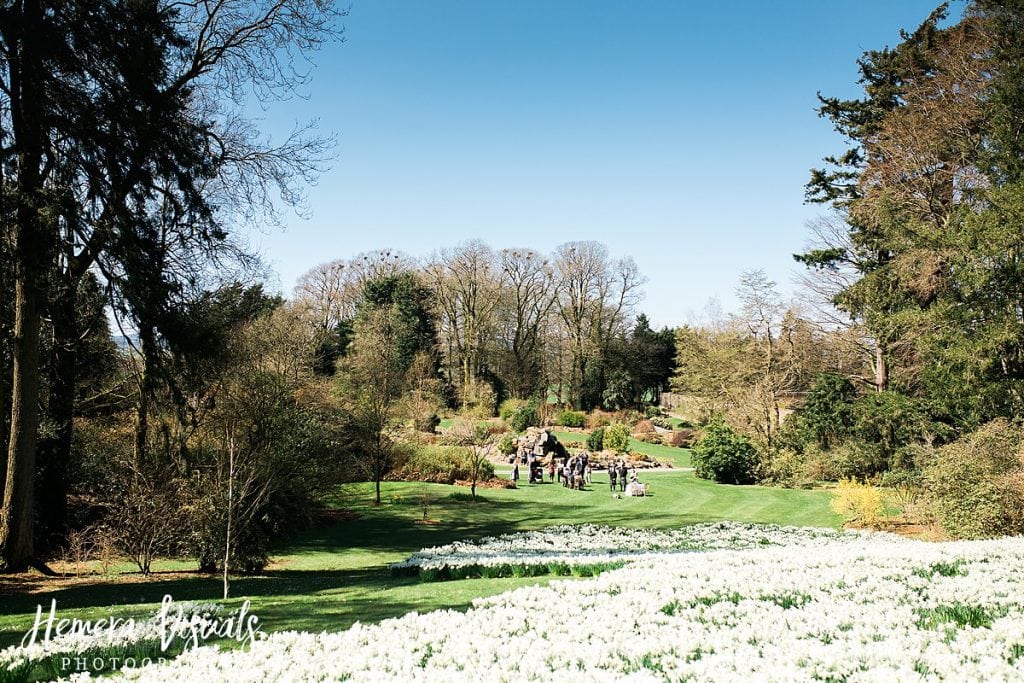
x: 822, y: 606
x: 858, y: 502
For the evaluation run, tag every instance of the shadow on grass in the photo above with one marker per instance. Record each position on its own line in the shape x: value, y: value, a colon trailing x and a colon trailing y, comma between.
x: 330, y: 577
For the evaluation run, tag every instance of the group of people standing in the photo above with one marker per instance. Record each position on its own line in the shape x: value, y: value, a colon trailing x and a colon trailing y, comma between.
x: 573, y: 472
x: 617, y: 475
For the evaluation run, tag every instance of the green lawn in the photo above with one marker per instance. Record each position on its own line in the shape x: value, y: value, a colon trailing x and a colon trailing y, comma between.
x: 330, y: 577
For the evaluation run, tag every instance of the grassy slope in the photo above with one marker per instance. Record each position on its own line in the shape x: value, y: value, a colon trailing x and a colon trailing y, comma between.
x: 330, y: 577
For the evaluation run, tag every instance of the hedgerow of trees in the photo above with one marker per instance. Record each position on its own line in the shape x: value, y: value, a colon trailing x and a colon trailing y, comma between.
x: 906, y: 361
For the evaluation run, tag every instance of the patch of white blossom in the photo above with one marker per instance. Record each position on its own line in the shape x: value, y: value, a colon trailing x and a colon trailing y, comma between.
x: 825, y: 606
x: 592, y: 544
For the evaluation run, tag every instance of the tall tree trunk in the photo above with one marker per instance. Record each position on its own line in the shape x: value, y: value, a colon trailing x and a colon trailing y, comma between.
x: 32, y: 256
x: 55, y: 450
x: 147, y: 385
x: 231, y: 503
x: 881, y: 369
x: 16, y: 518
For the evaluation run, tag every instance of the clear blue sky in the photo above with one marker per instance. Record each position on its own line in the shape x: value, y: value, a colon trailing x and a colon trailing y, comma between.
x: 680, y: 133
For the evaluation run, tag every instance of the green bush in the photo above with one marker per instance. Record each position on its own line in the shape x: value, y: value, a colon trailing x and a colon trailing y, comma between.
x: 976, y: 484
x: 891, y: 421
x: 827, y: 414
x: 523, y: 417
x: 507, y: 444
x: 509, y: 406
x: 652, y: 411
x: 856, y: 459
x: 571, y: 418
x: 784, y: 467
x: 595, y: 442
x: 724, y: 456
x: 616, y: 438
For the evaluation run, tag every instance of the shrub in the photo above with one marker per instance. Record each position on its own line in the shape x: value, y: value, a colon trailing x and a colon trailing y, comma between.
x: 507, y: 444
x: 427, y: 424
x: 905, y: 487
x: 976, y: 484
x: 643, y: 427
x: 724, y: 456
x: 827, y: 414
x: 616, y: 438
x: 509, y: 406
x: 890, y: 421
x: 648, y: 437
x: 856, y: 459
x: 571, y: 418
x: 784, y: 467
x: 524, y: 417
x: 441, y: 464
x: 595, y: 442
x: 858, y: 502
x: 652, y: 411
x: 681, y: 438
x: 662, y: 422
x: 626, y: 417
x: 598, y: 419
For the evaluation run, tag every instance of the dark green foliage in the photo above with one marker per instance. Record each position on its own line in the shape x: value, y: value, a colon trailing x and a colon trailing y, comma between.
x: 595, y: 441
x: 889, y: 420
x: 1004, y: 155
x: 410, y: 305
x: 524, y: 417
x: 332, y: 346
x: 942, y: 569
x: 638, y: 367
x: 827, y: 414
x: 724, y: 456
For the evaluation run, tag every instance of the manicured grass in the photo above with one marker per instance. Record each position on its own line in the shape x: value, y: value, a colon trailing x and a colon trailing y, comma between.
x: 330, y: 577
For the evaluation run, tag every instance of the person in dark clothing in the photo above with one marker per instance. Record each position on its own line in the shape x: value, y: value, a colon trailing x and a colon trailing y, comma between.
x: 623, y: 472
x: 612, y: 476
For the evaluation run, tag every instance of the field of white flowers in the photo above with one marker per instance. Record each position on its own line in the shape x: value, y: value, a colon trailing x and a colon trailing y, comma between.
x: 788, y: 604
